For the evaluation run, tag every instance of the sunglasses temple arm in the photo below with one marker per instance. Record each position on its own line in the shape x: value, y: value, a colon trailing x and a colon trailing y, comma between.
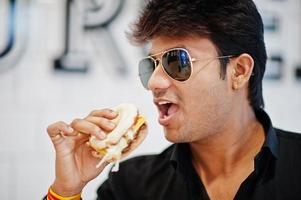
x: 220, y: 57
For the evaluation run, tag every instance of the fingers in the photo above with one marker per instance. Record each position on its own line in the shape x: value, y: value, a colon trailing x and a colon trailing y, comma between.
x: 59, y: 129
x: 106, y: 113
x: 97, y: 124
x: 103, y: 123
x: 86, y: 127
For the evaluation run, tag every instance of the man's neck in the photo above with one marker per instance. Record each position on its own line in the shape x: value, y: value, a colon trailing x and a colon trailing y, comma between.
x: 231, y: 149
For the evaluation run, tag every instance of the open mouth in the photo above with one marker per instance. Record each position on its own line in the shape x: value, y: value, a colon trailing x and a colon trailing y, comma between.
x: 166, y: 109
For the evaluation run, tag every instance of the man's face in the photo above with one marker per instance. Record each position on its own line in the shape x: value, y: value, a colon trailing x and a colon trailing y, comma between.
x: 195, y: 109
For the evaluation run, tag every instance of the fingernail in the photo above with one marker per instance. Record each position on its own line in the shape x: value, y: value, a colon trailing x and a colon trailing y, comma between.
x: 113, y: 112
x: 111, y: 125
x: 101, y: 135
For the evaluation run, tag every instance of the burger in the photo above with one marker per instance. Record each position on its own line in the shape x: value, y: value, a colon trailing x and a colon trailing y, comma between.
x: 123, y: 138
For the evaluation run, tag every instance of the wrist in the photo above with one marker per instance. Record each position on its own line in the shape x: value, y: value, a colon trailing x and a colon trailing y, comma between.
x: 65, y: 191
x: 54, y: 196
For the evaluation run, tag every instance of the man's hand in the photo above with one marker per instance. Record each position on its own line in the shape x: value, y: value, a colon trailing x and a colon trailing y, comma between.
x: 75, y: 164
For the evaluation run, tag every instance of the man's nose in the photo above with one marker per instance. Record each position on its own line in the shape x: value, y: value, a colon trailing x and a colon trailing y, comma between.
x: 159, y: 79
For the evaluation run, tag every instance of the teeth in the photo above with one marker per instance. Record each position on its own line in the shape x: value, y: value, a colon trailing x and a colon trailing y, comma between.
x: 163, y: 102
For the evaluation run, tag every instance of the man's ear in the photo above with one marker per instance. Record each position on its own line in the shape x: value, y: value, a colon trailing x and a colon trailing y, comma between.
x: 242, y: 67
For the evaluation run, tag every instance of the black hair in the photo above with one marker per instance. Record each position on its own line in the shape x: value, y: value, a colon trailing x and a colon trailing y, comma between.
x: 234, y: 26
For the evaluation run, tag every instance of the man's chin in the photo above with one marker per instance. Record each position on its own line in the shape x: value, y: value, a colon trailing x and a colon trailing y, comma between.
x: 173, y: 136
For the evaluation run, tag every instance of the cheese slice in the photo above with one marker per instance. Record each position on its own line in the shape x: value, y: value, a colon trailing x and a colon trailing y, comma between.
x: 139, y: 122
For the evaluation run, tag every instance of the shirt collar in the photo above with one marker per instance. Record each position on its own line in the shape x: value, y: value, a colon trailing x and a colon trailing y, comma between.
x: 181, y: 152
x: 271, y: 140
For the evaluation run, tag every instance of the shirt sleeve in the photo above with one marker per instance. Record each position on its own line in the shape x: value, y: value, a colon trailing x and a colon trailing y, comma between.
x: 105, y: 192
x: 120, y: 185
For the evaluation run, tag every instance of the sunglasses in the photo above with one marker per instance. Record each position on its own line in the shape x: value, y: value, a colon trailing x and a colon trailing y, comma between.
x: 176, y: 63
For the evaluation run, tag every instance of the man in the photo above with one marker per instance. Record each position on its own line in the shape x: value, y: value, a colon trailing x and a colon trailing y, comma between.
x: 205, y: 69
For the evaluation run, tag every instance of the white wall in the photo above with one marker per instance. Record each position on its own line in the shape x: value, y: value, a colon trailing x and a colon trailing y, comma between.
x: 32, y: 96
x: 283, y: 97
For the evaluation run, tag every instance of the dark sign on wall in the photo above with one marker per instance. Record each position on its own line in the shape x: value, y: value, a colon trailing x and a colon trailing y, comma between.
x: 83, y: 17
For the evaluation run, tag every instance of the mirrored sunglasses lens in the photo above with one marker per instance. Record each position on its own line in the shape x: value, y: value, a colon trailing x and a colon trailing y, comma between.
x: 177, y: 65
x: 146, y: 69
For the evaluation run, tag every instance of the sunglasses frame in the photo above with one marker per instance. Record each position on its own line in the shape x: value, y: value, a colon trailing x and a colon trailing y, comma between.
x: 191, y: 60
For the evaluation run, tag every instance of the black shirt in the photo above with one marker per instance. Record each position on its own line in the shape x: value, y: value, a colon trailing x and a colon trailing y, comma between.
x: 171, y: 175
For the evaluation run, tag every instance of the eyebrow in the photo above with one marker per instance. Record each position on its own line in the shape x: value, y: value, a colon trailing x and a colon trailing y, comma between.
x: 150, y: 54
